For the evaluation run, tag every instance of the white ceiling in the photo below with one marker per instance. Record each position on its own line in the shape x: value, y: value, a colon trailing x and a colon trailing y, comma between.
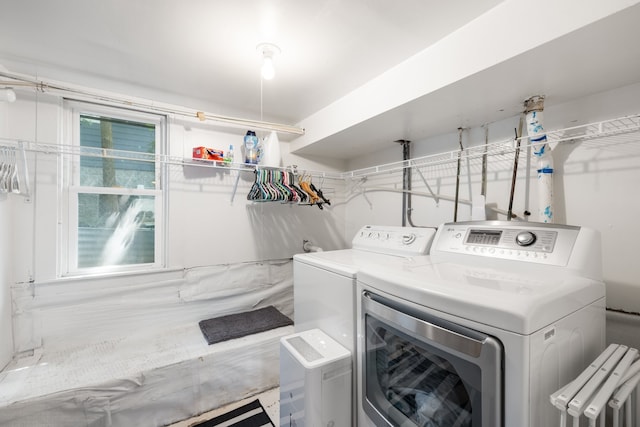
x: 205, y: 50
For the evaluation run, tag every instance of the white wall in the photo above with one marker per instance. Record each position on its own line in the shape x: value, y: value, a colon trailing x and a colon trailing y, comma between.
x: 206, y: 231
x: 205, y: 227
x: 593, y: 188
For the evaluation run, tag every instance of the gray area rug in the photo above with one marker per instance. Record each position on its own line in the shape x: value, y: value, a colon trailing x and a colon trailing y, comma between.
x: 239, y: 325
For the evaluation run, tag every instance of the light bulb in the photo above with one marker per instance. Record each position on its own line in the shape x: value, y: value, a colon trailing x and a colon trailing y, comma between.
x: 267, y: 51
x: 267, y: 68
x: 7, y: 95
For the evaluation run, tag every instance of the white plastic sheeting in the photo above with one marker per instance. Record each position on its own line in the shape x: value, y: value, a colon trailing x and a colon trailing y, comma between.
x: 132, y: 353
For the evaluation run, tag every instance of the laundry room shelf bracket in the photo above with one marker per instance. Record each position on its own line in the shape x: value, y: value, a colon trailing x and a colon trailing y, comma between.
x: 435, y: 197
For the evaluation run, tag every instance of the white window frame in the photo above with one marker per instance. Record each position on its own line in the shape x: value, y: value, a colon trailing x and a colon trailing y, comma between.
x: 69, y: 174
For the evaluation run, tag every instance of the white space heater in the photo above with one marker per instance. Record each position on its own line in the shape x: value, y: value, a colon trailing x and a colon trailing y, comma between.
x: 315, y: 381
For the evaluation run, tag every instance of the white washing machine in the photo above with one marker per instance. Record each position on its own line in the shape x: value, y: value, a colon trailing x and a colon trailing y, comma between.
x: 503, y: 315
x: 324, y: 283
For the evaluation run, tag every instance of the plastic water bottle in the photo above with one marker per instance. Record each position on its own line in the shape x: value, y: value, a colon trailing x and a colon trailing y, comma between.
x: 251, y: 148
x: 228, y: 159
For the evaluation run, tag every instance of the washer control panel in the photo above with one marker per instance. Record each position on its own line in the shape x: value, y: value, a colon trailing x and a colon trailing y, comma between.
x: 531, y: 242
x: 538, y: 240
x: 395, y: 240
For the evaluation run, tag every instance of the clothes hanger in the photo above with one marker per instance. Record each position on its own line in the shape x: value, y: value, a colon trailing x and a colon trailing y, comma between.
x: 319, y: 192
x: 277, y: 185
x: 306, y: 186
x: 302, y: 196
x: 293, y: 194
x: 284, y: 190
x: 254, y: 191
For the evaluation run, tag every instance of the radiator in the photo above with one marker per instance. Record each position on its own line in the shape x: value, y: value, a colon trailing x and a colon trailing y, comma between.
x: 611, y: 378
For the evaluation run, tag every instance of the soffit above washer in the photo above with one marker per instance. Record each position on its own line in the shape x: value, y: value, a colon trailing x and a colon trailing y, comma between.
x: 583, y: 61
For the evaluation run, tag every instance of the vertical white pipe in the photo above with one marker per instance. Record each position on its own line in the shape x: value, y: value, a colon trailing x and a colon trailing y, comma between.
x: 542, y: 153
x: 6, y: 261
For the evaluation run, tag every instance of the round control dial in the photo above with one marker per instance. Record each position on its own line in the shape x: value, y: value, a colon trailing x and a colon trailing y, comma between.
x: 408, y: 239
x: 525, y: 238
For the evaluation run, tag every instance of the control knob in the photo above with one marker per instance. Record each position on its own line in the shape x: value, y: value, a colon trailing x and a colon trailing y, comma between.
x: 408, y: 239
x: 525, y: 238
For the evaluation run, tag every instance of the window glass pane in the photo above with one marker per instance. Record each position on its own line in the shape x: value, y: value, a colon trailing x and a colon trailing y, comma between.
x: 102, y: 132
x: 115, y: 230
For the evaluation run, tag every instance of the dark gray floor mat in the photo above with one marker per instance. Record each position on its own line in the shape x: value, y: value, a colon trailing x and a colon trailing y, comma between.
x: 239, y: 325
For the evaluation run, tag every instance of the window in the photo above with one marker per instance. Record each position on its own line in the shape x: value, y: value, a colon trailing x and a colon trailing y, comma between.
x: 114, y: 192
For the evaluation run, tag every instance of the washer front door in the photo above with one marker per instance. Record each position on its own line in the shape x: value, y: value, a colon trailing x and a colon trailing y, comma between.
x: 423, y: 371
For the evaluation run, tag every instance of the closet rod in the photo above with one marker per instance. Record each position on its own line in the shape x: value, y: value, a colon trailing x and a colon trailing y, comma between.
x: 44, y: 86
x: 365, y: 190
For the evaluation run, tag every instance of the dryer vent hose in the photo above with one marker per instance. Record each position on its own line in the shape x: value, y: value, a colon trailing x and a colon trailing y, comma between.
x: 542, y: 152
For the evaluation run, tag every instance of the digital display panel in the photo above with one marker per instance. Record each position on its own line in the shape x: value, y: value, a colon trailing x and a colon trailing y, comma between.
x: 484, y: 237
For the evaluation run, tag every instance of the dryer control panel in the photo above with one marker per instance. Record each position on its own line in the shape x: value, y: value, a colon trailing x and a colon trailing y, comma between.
x: 394, y: 240
x: 549, y: 244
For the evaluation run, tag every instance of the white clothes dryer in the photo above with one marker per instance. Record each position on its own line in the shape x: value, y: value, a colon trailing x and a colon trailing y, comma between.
x: 503, y: 315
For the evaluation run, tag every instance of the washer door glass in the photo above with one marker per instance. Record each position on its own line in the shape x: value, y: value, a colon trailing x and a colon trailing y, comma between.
x: 409, y: 380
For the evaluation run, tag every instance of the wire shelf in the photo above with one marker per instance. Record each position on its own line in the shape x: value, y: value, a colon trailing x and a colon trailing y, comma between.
x: 620, y: 134
x: 108, y: 153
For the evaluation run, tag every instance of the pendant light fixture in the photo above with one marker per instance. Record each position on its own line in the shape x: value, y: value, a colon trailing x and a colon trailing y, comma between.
x: 268, y: 51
